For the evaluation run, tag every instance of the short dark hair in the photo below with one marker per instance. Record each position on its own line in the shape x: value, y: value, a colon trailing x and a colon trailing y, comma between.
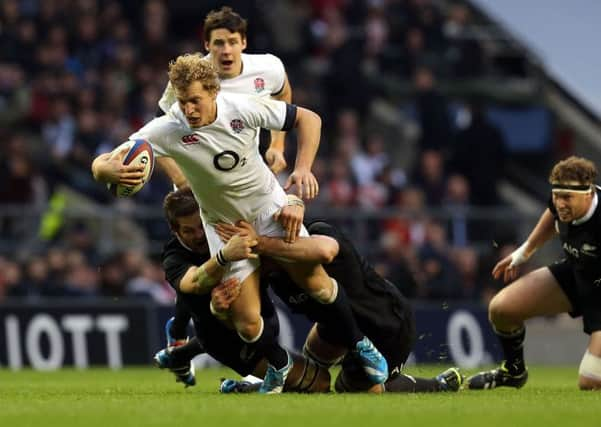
x: 179, y: 203
x: 224, y: 18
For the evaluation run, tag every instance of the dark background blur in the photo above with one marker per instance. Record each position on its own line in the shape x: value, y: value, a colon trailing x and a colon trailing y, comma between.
x: 438, y: 132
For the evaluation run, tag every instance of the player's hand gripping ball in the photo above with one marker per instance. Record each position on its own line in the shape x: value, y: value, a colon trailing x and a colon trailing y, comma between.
x: 139, y: 154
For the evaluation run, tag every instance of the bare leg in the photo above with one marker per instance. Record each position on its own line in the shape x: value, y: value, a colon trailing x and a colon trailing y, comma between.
x: 245, y: 312
x: 535, y: 294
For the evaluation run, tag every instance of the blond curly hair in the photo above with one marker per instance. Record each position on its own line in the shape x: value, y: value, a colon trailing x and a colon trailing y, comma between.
x: 192, y: 67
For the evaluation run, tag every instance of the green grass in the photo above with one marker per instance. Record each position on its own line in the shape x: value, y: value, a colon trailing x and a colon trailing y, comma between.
x: 148, y: 397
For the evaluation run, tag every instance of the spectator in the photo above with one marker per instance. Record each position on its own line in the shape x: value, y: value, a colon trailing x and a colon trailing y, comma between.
x: 429, y: 175
x: 483, y: 141
x: 432, y: 111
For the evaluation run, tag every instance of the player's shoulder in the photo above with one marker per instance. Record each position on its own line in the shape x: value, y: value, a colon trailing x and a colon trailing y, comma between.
x: 239, y: 103
x: 173, y: 247
x: 323, y: 228
x: 234, y: 101
x: 261, y: 61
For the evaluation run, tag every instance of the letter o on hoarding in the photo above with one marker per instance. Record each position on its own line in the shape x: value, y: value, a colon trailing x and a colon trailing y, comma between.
x: 460, y: 322
x: 44, y: 324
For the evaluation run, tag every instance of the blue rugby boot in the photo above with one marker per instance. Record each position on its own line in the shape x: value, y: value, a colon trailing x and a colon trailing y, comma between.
x: 162, y: 359
x: 275, y: 378
x: 183, y: 374
x: 372, y: 361
x: 235, y: 386
x: 499, y: 377
x: 450, y: 380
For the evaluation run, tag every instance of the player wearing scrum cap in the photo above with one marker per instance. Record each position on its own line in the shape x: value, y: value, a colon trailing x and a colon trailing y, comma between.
x: 572, y: 284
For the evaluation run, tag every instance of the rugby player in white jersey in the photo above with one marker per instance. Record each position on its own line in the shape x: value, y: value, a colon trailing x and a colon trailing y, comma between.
x: 213, y: 139
x: 254, y: 74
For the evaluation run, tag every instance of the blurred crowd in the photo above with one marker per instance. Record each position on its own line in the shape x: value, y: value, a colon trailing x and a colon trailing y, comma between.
x: 78, y: 76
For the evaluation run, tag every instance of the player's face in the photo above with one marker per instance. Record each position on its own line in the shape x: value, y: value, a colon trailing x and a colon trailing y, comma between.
x: 570, y: 205
x: 226, y: 49
x: 197, y: 104
x: 191, y: 232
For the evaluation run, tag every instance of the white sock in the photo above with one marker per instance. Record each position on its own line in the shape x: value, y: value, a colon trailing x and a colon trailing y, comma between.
x: 255, y: 339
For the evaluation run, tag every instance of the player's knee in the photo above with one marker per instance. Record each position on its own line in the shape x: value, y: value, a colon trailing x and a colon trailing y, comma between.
x: 499, y: 310
x: 249, y: 330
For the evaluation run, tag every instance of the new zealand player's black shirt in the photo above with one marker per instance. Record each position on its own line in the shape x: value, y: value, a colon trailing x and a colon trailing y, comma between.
x: 176, y: 260
x: 378, y: 305
x: 582, y: 246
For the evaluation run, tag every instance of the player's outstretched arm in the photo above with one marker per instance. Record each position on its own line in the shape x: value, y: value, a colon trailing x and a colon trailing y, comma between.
x: 543, y: 231
x: 201, y: 279
x: 175, y: 174
x: 112, y: 170
x: 314, y: 249
x: 308, y: 126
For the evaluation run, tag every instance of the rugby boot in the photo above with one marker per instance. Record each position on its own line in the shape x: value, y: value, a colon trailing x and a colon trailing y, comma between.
x: 499, y: 377
x: 450, y: 380
x: 374, y: 364
x: 275, y: 378
x: 183, y: 374
x: 238, y: 386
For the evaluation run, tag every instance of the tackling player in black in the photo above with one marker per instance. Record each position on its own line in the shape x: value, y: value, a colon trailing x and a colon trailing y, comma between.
x: 194, y: 274
x: 571, y: 285
x: 380, y: 309
x: 377, y: 305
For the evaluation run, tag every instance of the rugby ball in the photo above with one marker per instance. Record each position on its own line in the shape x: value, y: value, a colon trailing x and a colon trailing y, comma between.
x: 139, y: 153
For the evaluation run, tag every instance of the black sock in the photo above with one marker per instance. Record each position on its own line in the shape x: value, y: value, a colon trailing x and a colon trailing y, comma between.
x: 183, y: 354
x: 267, y: 345
x: 339, y: 315
x: 179, y: 326
x: 513, y: 349
x: 407, y: 384
x: 277, y: 356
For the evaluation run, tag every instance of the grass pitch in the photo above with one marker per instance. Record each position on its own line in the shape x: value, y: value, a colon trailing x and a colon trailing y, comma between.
x: 149, y: 397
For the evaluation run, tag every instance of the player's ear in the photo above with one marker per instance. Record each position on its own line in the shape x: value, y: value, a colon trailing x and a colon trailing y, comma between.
x: 206, y: 46
x: 243, y: 43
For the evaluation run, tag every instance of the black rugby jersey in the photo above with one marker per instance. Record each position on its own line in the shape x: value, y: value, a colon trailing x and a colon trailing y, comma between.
x: 376, y: 303
x: 582, y: 246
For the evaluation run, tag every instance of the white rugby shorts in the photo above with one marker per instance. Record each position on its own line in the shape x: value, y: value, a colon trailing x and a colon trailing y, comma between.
x: 265, y: 225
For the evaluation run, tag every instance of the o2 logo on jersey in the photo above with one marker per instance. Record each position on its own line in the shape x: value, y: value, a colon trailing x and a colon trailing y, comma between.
x: 259, y: 84
x: 228, y: 160
x: 237, y: 125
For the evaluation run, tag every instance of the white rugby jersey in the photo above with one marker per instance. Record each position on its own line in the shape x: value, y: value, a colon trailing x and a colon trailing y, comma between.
x: 262, y: 75
x: 221, y: 161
